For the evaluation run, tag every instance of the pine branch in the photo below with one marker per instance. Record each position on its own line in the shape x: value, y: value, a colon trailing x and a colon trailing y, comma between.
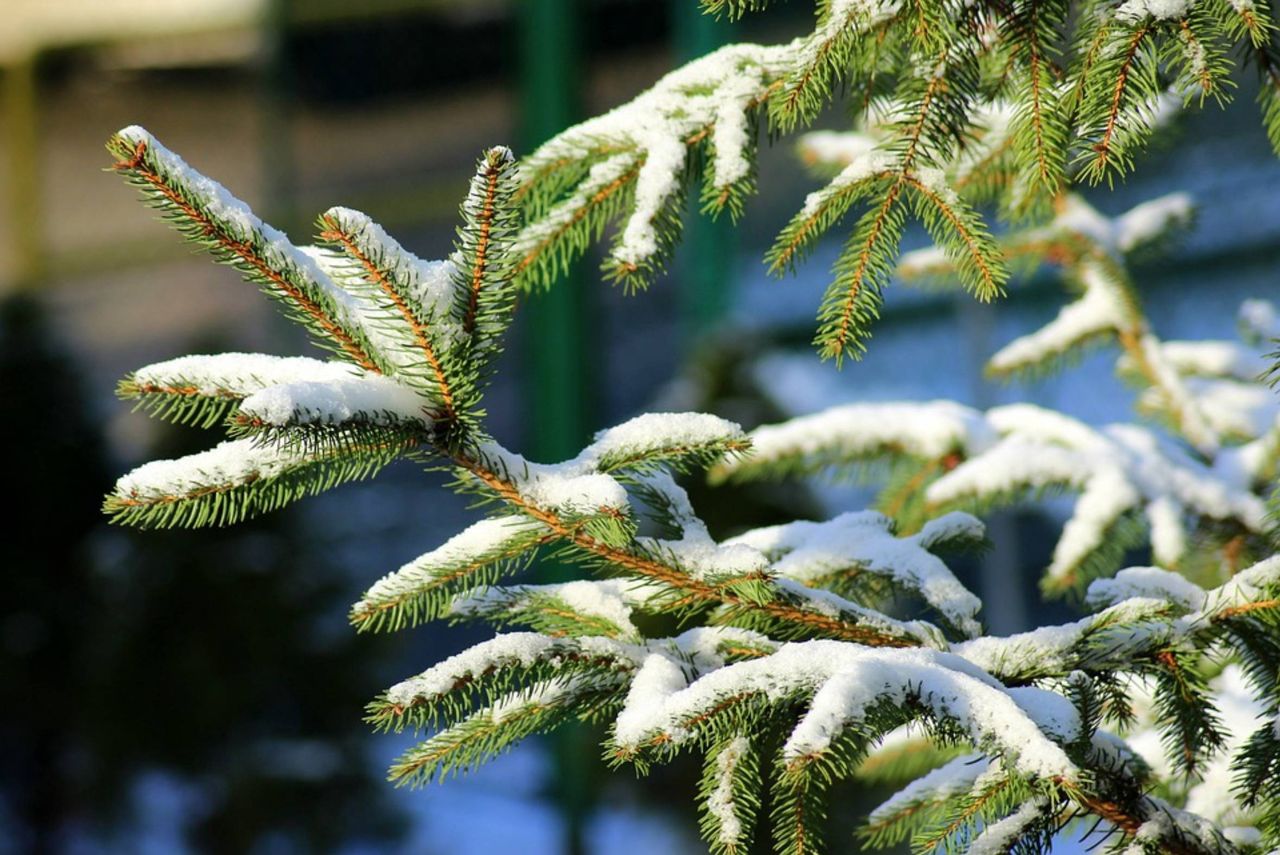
x: 206, y: 214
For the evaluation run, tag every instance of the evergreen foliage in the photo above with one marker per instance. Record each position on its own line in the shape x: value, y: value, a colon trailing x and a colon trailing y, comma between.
x: 962, y: 105
x: 811, y: 651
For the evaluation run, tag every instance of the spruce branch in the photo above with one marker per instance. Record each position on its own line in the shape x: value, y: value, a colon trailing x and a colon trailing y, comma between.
x: 206, y: 214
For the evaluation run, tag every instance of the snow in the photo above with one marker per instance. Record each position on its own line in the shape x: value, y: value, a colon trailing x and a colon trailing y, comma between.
x: 845, y: 679
x: 480, y: 541
x: 929, y: 430
x: 1056, y: 649
x: 953, y: 778
x: 1233, y: 408
x: 1150, y: 219
x: 653, y: 433
x: 577, y: 487
x: 1119, y: 469
x: 659, y: 678
x: 429, y: 286
x: 709, y: 93
x: 229, y: 464
x: 998, y: 837
x: 1245, y: 586
x: 242, y: 224
x: 542, y: 694
x: 1211, y: 359
x: 368, y: 399
x: 1102, y: 309
x: 1147, y: 582
x: 505, y: 650
x: 1259, y: 319
x: 238, y: 374
x: 695, y: 551
x: 858, y: 170
x: 601, y: 598
x: 864, y: 542
x: 570, y: 487
x: 1160, y: 10
x: 720, y: 801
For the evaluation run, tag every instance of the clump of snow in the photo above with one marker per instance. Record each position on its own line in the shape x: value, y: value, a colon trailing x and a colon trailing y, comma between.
x: 370, y: 399
x: 505, y: 650
x: 1148, y: 582
x: 482, y: 541
x: 864, y: 543
x: 1102, y: 309
x: 998, y: 837
x: 654, y: 433
x: 1160, y: 10
x: 235, y: 217
x: 239, y: 374
x: 844, y: 680
x: 428, y: 286
x: 1150, y: 219
x: 720, y: 801
x: 929, y: 430
x: 226, y: 465
x: 571, y: 487
x: 608, y: 599
x: 710, y: 94
x: 1120, y: 470
x: 953, y: 778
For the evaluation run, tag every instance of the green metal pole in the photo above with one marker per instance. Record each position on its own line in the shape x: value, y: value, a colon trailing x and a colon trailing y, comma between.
x: 22, y: 140
x: 705, y: 264
x: 276, y: 102
x: 558, y: 354
x: 556, y: 321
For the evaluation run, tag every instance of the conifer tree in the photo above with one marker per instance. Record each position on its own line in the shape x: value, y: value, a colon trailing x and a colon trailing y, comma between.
x: 811, y: 651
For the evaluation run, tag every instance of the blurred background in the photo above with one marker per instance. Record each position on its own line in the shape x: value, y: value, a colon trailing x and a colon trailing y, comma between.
x: 201, y: 691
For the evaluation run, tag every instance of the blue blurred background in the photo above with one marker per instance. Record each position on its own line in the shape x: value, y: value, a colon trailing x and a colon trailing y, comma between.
x: 170, y: 692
